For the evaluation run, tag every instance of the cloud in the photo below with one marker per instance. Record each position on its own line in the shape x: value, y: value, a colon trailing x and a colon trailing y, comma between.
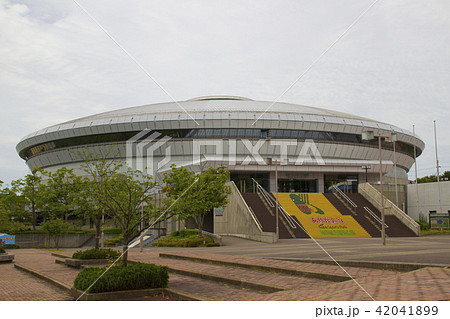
x: 57, y: 65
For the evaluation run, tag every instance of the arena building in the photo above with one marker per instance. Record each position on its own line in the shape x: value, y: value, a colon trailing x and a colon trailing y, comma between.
x: 311, y: 148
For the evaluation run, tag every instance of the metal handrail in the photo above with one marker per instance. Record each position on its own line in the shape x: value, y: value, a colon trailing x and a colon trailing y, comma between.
x: 374, y: 216
x: 342, y: 194
x: 272, y: 202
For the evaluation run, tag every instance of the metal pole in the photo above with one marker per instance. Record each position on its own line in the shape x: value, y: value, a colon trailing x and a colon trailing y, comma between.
x: 437, y: 167
x: 383, y: 228
x: 395, y: 176
x: 277, y: 233
x: 141, y: 241
x: 415, y: 173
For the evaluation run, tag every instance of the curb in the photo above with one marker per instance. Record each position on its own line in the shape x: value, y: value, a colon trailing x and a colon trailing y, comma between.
x: 234, y: 282
x: 301, y: 273
x: 397, y: 266
x: 40, y: 275
x: 131, y: 294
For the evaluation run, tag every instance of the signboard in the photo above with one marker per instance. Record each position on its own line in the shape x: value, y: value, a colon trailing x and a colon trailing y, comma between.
x: 439, y: 221
x: 6, y: 239
x: 218, y: 211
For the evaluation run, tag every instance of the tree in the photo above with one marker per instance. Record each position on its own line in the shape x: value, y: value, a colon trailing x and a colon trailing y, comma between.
x: 432, y: 178
x: 59, y: 195
x: 32, y: 190
x: 124, y: 194
x: 196, y: 195
x: 55, y: 228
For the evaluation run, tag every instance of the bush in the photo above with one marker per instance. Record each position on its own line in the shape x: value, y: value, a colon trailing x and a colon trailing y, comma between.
x: 423, y: 225
x: 105, y: 253
x: 114, y: 241
x: 11, y: 246
x: 185, y: 233
x: 112, y: 231
x: 192, y: 241
x: 137, y: 276
x: 2, y: 251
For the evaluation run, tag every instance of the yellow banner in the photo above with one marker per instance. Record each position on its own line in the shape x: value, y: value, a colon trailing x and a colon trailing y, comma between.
x: 319, y: 217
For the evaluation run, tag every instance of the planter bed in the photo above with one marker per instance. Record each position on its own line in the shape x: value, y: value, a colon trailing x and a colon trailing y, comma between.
x: 6, y: 258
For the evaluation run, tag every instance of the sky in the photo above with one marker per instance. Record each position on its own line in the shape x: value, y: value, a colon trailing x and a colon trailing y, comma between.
x: 57, y: 64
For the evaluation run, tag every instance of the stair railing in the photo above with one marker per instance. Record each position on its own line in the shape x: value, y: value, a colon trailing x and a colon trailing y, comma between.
x: 341, y: 194
x: 374, y: 216
x: 255, y: 218
x: 272, y: 202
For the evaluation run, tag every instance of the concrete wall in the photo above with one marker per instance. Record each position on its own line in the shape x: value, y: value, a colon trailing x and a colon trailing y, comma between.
x: 374, y: 197
x: 237, y: 220
x: 65, y: 241
x: 389, y: 192
x: 423, y: 198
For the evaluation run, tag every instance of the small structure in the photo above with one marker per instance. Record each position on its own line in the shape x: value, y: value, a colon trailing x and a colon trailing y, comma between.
x: 6, y: 239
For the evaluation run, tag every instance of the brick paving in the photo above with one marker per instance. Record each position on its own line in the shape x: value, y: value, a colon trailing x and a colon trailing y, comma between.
x: 16, y: 285
x: 422, y: 284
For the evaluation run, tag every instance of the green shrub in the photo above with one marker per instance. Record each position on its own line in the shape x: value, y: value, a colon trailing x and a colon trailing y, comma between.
x: 423, y: 225
x: 112, y: 231
x: 11, y: 246
x: 104, y: 253
x: 192, y: 241
x: 136, y: 276
x: 114, y: 241
x: 185, y: 233
x: 2, y: 251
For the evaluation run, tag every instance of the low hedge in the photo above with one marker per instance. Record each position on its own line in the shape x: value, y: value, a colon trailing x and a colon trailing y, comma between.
x: 11, y: 246
x: 136, y: 276
x: 2, y: 251
x: 184, y: 233
x: 114, y: 241
x: 103, y: 253
x: 192, y: 241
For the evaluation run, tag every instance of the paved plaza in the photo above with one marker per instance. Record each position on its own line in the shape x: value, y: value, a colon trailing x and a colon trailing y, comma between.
x: 247, y: 270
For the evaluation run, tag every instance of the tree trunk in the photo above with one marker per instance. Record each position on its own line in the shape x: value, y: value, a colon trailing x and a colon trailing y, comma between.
x: 125, y: 251
x: 34, y: 215
x: 97, y: 226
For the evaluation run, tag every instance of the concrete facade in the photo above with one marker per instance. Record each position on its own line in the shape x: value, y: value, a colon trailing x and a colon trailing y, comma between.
x: 424, y: 198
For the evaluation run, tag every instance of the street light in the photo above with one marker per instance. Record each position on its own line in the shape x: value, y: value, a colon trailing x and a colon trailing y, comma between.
x: 366, y: 167
x: 367, y: 136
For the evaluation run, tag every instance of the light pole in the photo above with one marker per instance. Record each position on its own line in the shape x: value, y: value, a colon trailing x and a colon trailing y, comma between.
x: 277, y: 231
x: 393, y: 140
x: 368, y: 136
x: 366, y: 167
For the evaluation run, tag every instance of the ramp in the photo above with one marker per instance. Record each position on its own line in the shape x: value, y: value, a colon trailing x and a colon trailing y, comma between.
x: 319, y: 217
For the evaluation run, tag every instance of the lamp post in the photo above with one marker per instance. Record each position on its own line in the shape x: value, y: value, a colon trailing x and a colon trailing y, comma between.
x: 393, y: 140
x: 367, y: 136
x: 366, y: 167
x: 277, y: 230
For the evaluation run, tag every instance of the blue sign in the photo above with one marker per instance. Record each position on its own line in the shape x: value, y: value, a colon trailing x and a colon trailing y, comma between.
x: 6, y: 239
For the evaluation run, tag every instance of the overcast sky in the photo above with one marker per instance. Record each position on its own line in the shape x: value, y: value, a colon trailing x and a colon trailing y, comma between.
x: 56, y: 64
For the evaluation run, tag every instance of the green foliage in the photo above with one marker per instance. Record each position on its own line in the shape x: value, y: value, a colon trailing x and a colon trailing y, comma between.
x: 118, y: 278
x: 55, y: 228
x: 112, y: 231
x: 11, y: 246
x: 59, y: 197
x: 12, y: 227
x: 200, y: 193
x: 185, y: 241
x: 423, y: 225
x: 2, y: 251
x: 114, y: 241
x: 105, y: 253
x: 432, y: 178
x: 185, y: 233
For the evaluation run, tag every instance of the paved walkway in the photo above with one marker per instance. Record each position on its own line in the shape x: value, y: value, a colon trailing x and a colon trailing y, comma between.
x: 423, y: 284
